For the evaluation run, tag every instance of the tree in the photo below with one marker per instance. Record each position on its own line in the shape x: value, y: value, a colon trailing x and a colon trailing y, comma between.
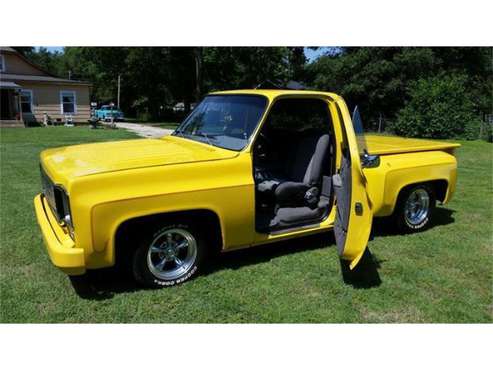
x: 439, y: 107
x: 24, y: 50
x: 297, y: 61
x: 51, y: 62
x: 198, y: 73
x: 378, y: 79
x: 375, y: 79
x: 100, y: 66
x: 476, y: 64
x: 244, y: 67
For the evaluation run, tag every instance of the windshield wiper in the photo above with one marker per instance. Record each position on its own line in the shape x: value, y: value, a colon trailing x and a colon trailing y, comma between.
x: 179, y: 132
x: 203, y: 134
x: 207, y: 137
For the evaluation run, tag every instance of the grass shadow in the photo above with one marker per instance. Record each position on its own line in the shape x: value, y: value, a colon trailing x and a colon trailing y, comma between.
x: 264, y: 253
x: 104, y: 284
x: 441, y: 217
x: 365, y: 275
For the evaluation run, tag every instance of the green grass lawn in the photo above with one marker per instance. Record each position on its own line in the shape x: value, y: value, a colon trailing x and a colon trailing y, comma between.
x: 441, y: 275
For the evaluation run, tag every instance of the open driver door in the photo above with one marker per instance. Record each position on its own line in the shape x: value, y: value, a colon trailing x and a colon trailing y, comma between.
x: 354, y: 215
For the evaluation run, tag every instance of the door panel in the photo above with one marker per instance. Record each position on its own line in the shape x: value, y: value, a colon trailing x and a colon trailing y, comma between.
x: 354, y: 215
x: 342, y: 189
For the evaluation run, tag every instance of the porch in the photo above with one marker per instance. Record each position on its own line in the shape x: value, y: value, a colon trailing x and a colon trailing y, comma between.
x: 10, y: 104
x: 15, y: 105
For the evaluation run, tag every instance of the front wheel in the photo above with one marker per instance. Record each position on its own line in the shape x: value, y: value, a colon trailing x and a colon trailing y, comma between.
x: 168, y: 256
x: 415, y: 208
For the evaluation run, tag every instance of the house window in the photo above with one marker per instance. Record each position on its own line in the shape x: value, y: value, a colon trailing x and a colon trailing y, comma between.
x: 2, y: 64
x: 26, y: 101
x: 68, y: 103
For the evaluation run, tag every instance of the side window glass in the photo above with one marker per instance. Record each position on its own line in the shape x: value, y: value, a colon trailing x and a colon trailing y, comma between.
x: 299, y: 115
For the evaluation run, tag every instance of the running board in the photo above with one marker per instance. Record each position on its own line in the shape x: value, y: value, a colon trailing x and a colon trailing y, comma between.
x: 296, y: 228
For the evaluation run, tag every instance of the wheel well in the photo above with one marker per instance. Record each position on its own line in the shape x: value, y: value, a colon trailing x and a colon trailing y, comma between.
x: 440, y: 187
x: 129, y: 230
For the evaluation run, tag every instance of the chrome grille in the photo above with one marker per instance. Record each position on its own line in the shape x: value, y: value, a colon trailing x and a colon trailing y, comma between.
x: 58, y: 201
x: 54, y: 195
x: 48, y: 189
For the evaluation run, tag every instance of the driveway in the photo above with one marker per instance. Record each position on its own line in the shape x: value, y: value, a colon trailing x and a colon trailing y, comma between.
x: 144, y: 130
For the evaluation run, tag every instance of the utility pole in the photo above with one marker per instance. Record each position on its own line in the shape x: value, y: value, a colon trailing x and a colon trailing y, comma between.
x: 69, y: 75
x: 118, y: 94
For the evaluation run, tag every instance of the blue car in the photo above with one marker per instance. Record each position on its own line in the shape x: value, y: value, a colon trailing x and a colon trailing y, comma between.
x: 106, y: 112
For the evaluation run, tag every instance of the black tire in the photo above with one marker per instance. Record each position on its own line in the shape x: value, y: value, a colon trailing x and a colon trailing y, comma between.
x: 405, y: 222
x: 144, y: 268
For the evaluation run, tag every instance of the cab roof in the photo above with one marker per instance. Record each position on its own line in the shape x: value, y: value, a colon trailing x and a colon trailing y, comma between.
x: 275, y: 93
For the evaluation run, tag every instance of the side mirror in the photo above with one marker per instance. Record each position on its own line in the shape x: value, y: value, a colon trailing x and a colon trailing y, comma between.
x: 370, y: 160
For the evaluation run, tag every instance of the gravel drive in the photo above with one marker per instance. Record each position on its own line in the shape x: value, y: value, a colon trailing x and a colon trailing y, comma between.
x: 144, y: 130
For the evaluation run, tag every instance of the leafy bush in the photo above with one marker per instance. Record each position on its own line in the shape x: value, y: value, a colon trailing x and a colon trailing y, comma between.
x: 439, y: 107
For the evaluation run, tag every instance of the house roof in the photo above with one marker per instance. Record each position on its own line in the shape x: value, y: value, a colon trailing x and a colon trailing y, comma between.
x: 32, y: 78
x: 7, y: 49
x: 8, y: 85
x: 44, y: 76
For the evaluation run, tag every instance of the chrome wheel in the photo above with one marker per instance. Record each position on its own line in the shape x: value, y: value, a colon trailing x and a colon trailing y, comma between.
x: 172, y: 254
x: 417, y: 207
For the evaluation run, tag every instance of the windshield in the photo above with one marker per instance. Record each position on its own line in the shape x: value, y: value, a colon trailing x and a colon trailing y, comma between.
x: 226, y: 121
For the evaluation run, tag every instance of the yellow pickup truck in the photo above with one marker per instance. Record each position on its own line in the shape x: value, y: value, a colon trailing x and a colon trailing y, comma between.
x: 246, y: 167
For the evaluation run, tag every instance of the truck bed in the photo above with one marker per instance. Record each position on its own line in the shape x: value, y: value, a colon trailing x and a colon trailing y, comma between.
x: 379, y: 144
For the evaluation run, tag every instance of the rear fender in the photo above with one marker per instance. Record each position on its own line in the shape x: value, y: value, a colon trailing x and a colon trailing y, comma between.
x: 398, y: 171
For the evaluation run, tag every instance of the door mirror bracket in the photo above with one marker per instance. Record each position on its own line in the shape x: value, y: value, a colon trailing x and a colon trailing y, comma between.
x: 370, y: 160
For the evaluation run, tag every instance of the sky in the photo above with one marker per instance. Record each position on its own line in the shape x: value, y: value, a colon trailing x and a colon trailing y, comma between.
x: 51, y: 49
x: 310, y: 54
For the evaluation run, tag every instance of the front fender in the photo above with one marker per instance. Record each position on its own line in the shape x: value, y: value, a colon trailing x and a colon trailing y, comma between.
x: 105, y: 201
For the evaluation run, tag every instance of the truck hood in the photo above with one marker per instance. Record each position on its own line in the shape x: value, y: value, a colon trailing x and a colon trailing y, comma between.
x: 87, y: 159
x: 379, y: 144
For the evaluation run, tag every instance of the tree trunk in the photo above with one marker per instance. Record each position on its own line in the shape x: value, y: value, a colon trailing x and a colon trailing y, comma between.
x: 198, y: 73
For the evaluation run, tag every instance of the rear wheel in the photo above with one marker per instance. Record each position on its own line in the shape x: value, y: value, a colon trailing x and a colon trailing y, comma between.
x: 169, y: 255
x: 415, y: 208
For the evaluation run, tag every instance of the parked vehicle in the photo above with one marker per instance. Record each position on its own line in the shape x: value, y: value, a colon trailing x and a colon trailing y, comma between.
x: 180, y: 107
x: 246, y: 167
x: 106, y: 112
